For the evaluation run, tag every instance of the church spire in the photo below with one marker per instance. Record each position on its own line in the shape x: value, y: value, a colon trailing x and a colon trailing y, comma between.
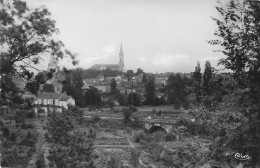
x: 121, y: 58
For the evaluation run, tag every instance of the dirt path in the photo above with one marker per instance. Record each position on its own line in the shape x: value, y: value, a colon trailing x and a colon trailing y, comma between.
x: 140, y: 160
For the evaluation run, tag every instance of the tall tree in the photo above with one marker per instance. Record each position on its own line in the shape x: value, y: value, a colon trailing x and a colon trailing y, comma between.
x: 92, y: 97
x: 207, y: 76
x: 133, y: 99
x: 238, y: 34
x: 113, y: 86
x: 197, y: 79
x: 144, y: 79
x: 139, y: 71
x: 129, y: 74
x: 150, y: 91
x: 26, y: 35
x: 48, y: 88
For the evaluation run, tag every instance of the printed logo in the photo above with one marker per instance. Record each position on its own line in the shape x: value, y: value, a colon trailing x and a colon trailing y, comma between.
x: 240, y: 156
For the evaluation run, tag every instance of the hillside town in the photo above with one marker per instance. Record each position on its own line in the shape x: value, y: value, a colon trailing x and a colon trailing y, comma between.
x: 166, y: 102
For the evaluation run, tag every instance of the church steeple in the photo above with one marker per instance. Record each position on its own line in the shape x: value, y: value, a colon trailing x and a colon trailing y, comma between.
x: 121, y: 58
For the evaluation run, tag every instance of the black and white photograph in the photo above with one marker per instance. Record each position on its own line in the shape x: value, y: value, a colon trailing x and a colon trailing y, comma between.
x: 129, y: 83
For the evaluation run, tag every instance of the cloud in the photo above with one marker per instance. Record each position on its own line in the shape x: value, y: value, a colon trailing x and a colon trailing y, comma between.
x: 142, y: 58
x: 109, y: 49
x: 209, y: 58
x: 171, y: 60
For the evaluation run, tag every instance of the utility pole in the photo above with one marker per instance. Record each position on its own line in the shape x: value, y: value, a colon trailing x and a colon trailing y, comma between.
x: 133, y: 78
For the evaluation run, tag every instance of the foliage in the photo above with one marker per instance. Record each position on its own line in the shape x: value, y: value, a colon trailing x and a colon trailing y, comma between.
x: 5, y: 131
x: 144, y: 79
x: 122, y: 99
x: 197, y: 76
x: 129, y: 74
x: 111, y: 102
x: 139, y: 71
x: 135, y: 154
x: 69, y: 148
x: 127, y: 115
x: 177, y: 104
x: 150, y: 91
x: 48, y: 88
x: 26, y: 35
x: 176, y: 87
x: 207, y: 76
x: 238, y: 34
x: 92, y: 97
x: 133, y: 99
x: 40, y: 163
x: 113, y: 86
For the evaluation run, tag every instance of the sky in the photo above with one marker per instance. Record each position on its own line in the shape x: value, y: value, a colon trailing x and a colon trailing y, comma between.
x: 157, y: 35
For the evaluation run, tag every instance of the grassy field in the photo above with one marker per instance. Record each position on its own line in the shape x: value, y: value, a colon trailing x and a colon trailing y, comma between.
x: 143, y: 111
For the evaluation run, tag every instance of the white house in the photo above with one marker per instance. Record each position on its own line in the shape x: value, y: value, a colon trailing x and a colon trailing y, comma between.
x: 59, y: 100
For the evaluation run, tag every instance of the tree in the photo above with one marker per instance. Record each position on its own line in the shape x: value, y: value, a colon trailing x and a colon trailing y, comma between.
x: 26, y: 35
x: 150, y: 91
x: 48, y: 88
x: 139, y: 71
x: 207, y: 76
x: 92, y: 97
x: 239, y: 35
x: 113, y: 87
x: 144, y: 79
x: 69, y: 148
x: 133, y: 99
x: 129, y: 74
x: 197, y: 82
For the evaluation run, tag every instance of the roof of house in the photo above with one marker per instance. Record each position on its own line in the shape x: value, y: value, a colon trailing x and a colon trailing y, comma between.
x: 50, y: 95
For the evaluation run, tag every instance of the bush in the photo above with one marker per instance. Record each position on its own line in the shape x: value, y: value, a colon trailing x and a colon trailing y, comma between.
x: 24, y: 126
x: 177, y: 104
x: 133, y: 109
x: 27, y: 142
x: 140, y: 135
x: 137, y: 123
x: 13, y: 137
x: 135, y: 154
x: 30, y: 114
x: 170, y: 137
x: 127, y: 116
x: 186, y: 104
x: 40, y: 161
x: 5, y: 131
x: 96, y: 119
x: 1, y: 123
x: 30, y: 126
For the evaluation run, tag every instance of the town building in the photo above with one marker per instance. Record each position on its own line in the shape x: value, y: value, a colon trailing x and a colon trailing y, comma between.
x: 54, y: 100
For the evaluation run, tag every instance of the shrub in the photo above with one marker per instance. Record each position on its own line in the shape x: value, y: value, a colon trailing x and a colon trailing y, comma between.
x: 27, y: 142
x: 29, y: 135
x: 30, y: 126
x: 133, y: 109
x: 30, y: 114
x: 1, y: 123
x: 137, y: 123
x: 127, y: 116
x: 24, y: 126
x: 140, y: 135
x: 170, y: 137
x: 13, y: 137
x: 40, y: 161
x: 186, y: 104
x: 96, y: 119
x: 5, y: 131
x: 177, y: 104
x: 135, y: 154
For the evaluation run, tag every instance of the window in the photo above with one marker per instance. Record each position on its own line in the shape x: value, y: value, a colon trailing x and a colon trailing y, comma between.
x: 53, y: 101
x: 42, y: 101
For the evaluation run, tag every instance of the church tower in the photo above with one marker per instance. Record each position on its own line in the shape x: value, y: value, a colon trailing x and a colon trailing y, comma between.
x: 52, y: 64
x: 121, y: 59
